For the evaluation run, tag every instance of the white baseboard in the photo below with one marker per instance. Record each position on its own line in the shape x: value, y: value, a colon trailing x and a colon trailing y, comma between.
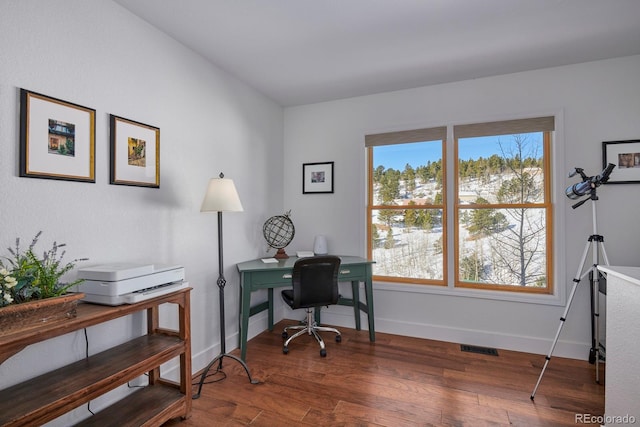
x: 535, y: 345
x: 486, y: 339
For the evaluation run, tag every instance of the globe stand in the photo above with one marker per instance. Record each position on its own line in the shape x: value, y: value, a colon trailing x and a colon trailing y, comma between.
x: 278, y: 231
x: 281, y: 254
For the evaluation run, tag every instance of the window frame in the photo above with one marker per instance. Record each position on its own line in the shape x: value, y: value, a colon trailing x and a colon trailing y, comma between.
x: 546, y: 205
x: 450, y: 211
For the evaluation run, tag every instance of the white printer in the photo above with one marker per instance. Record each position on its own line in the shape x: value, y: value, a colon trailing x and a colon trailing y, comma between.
x: 128, y: 283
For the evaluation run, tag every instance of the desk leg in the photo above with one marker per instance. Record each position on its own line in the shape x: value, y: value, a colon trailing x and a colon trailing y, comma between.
x: 270, y: 293
x: 245, y: 312
x: 368, y: 290
x: 355, y: 292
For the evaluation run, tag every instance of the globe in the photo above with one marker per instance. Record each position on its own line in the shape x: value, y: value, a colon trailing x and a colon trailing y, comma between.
x: 278, y: 231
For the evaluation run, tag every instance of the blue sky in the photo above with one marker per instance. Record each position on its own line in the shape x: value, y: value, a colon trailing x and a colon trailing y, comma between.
x: 417, y: 154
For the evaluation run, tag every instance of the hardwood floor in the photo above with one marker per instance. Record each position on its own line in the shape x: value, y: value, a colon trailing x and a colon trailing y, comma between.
x: 396, y: 381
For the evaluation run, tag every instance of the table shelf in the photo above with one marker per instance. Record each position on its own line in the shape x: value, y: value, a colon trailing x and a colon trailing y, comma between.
x: 46, y: 397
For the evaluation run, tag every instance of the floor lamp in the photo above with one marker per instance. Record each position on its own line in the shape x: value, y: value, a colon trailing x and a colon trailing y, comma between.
x: 221, y: 197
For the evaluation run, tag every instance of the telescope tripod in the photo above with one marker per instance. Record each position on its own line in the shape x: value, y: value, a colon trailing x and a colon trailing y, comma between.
x: 595, y: 242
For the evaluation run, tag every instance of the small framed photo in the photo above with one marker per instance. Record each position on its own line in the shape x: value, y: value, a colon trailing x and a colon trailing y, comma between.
x: 57, y: 139
x: 317, y: 177
x: 135, y: 153
x: 626, y: 156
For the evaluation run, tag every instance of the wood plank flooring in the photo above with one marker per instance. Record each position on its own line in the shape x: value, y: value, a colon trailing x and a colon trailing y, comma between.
x: 396, y: 381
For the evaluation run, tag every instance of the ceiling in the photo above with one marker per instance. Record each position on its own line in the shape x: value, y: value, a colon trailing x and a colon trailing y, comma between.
x: 306, y: 51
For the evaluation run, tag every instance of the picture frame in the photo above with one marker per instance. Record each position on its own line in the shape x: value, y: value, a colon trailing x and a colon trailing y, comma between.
x: 317, y: 177
x: 135, y: 153
x: 626, y: 156
x: 57, y: 139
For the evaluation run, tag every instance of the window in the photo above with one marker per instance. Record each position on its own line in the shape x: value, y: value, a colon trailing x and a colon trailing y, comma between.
x: 406, y: 206
x: 502, y: 210
x: 500, y: 206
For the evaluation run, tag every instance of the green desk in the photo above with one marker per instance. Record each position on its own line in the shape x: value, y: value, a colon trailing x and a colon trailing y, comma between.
x: 255, y: 275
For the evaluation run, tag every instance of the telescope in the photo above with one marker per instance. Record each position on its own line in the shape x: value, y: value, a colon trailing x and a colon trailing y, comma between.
x: 588, y: 184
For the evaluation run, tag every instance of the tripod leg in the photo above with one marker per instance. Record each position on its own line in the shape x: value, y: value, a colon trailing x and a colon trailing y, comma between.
x: 594, y: 318
x: 596, y: 293
x: 595, y: 351
x: 594, y: 278
x: 555, y: 340
x: 597, y: 242
x: 604, y: 253
x: 576, y: 281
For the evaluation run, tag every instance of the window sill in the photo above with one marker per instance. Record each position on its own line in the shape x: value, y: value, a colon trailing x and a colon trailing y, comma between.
x: 520, y: 297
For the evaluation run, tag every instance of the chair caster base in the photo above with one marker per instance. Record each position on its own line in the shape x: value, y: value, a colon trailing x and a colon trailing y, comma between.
x: 308, y: 327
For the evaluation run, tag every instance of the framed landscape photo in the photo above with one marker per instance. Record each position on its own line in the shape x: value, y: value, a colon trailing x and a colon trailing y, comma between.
x: 626, y: 156
x: 57, y: 139
x: 135, y: 153
x: 317, y: 177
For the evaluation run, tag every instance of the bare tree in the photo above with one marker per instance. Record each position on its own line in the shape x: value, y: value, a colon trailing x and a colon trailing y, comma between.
x: 517, y: 248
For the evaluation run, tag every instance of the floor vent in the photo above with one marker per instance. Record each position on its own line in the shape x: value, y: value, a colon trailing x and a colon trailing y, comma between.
x: 479, y: 350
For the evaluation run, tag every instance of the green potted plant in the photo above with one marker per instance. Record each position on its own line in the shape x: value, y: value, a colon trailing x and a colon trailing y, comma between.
x: 31, y: 290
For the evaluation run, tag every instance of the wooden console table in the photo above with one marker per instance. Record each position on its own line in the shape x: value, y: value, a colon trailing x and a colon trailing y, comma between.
x: 46, y: 397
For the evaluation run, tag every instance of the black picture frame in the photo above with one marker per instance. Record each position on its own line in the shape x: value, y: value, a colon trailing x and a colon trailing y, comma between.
x: 317, y: 178
x: 57, y: 139
x: 626, y: 156
x: 135, y: 153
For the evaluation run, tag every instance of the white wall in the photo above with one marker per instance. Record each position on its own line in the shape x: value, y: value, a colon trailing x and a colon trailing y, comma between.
x: 594, y: 102
x: 99, y: 55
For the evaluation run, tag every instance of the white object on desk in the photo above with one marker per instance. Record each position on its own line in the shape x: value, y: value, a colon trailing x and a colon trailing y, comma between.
x: 269, y: 260
x: 320, y: 245
x: 304, y: 254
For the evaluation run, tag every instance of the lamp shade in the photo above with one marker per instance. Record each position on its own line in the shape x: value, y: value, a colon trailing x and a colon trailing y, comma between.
x: 221, y: 196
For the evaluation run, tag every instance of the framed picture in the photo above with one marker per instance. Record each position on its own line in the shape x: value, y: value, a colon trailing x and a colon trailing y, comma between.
x: 626, y: 156
x: 57, y: 139
x: 135, y: 153
x: 317, y: 177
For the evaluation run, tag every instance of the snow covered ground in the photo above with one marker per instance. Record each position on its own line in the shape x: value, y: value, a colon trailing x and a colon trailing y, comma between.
x: 417, y: 253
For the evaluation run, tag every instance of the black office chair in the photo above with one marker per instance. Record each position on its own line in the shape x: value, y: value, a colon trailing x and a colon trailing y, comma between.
x: 315, y: 284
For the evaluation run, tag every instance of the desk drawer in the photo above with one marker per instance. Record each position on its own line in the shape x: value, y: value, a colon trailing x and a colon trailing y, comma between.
x: 352, y: 272
x: 268, y: 278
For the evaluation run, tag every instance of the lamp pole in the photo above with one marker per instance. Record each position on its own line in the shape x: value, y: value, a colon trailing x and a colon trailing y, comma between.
x: 221, y: 282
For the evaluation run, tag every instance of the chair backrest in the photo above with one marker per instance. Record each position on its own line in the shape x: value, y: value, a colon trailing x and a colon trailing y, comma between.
x: 315, y: 281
